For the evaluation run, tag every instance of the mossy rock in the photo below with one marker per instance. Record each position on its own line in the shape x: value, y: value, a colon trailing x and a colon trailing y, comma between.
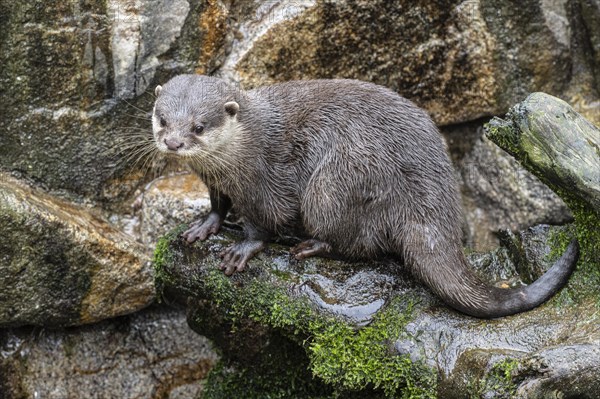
x: 279, y: 300
x: 286, y: 329
x: 61, y: 265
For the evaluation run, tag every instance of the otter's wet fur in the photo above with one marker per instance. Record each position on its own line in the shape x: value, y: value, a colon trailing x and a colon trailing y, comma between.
x: 358, y: 170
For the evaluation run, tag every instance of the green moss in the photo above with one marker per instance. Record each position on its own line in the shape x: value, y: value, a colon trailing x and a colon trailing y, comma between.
x: 505, y: 135
x: 498, y: 383
x: 358, y: 359
x: 162, y: 257
x: 586, y: 278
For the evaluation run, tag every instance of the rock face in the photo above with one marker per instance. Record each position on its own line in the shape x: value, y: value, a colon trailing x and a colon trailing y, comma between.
x: 498, y: 193
x: 62, y: 265
x: 76, y: 82
x: 68, y: 70
x: 458, y: 59
x: 152, y: 354
x: 81, y: 70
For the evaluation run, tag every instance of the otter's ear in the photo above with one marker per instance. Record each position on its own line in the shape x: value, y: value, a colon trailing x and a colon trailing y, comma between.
x: 232, y: 108
x: 157, y: 90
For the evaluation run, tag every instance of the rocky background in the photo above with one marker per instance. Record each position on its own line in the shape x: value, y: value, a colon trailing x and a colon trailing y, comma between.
x: 82, y: 205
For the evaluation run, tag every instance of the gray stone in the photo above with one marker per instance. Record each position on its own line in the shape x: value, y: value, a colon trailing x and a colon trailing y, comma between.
x: 147, y: 355
x: 140, y: 33
x: 68, y: 68
x: 554, y: 142
x: 498, y: 193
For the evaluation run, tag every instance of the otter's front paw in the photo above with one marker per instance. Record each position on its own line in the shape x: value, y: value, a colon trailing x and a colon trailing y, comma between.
x: 200, y: 230
x: 236, y: 256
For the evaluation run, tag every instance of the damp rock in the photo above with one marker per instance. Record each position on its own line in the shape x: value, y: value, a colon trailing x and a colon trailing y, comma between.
x: 147, y: 355
x: 62, y: 264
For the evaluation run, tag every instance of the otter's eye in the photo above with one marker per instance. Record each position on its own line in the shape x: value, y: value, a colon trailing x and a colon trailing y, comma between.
x: 163, y: 122
x: 198, y: 129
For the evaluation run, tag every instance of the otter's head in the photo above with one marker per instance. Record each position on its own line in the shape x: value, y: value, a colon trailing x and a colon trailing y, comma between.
x: 194, y: 115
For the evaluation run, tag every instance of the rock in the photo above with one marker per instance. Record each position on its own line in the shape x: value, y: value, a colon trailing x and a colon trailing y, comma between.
x: 462, y: 59
x: 60, y: 264
x: 136, y: 43
x: 76, y: 89
x: 147, y: 355
x: 498, y: 193
x: 318, y: 305
x: 233, y: 312
x: 170, y: 201
x: 82, y: 71
x: 553, y: 141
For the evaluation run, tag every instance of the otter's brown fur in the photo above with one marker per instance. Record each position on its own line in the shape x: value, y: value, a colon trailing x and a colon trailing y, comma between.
x: 360, y: 171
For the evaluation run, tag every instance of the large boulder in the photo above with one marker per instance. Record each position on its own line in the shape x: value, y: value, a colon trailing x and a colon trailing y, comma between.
x: 61, y: 264
x: 152, y: 354
x: 458, y: 59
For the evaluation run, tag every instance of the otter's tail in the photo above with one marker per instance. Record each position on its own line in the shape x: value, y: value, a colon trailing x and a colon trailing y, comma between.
x: 458, y: 286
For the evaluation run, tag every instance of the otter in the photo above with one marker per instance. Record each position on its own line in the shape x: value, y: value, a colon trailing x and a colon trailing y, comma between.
x: 357, y: 170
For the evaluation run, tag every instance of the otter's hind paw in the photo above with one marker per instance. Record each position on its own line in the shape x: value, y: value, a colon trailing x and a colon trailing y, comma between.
x: 310, y: 248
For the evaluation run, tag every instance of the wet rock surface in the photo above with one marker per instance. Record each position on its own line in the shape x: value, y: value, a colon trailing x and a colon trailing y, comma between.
x: 152, y: 354
x: 63, y: 265
x: 353, y: 292
x: 527, y: 346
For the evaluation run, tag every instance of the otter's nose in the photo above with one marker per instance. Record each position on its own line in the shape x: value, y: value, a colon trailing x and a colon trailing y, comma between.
x: 173, y: 145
